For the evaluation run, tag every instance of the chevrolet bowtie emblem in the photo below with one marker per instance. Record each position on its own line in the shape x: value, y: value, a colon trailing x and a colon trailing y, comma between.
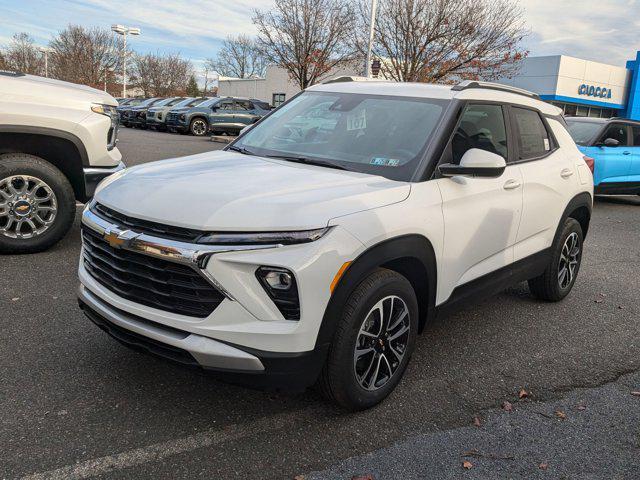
x: 119, y: 238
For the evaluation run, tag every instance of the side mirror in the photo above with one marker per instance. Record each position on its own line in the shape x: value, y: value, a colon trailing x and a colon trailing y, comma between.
x: 476, y: 163
x: 610, y: 142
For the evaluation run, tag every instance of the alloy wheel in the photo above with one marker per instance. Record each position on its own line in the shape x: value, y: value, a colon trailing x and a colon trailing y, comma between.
x: 569, y: 260
x: 199, y: 127
x: 28, y: 206
x: 381, y: 342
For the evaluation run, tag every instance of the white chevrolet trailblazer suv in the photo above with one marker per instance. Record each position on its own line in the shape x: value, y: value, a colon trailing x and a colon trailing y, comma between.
x: 57, y: 142
x: 318, y: 244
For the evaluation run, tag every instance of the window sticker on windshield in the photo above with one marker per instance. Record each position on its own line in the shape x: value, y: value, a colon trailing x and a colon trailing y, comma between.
x: 385, y: 162
x: 357, y: 121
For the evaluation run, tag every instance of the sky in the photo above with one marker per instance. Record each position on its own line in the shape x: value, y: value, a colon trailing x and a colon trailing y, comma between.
x: 600, y: 30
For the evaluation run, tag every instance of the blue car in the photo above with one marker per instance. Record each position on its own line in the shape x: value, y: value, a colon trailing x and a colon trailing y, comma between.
x: 614, y: 144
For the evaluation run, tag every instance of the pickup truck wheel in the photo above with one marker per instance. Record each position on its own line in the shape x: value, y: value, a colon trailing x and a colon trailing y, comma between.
x: 198, y: 127
x: 373, y: 342
x: 560, y: 275
x: 37, y: 204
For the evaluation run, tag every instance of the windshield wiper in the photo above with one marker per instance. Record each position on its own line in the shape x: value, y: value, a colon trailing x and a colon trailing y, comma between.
x: 308, y: 161
x: 242, y: 150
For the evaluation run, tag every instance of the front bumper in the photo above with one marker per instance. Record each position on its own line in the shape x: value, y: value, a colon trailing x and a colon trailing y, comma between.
x: 246, y: 320
x: 94, y: 175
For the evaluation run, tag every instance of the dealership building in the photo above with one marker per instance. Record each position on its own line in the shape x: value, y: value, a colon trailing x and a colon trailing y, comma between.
x: 580, y: 87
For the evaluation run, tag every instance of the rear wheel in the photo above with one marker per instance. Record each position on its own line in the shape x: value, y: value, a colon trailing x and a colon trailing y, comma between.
x: 560, y: 275
x: 198, y: 127
x: 37, y: 204
x: 373, y: 342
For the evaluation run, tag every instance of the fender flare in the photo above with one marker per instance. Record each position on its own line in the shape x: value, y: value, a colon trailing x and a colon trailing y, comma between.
x: 415, y: 248
x: 583, y: 199
x: 50, y: 132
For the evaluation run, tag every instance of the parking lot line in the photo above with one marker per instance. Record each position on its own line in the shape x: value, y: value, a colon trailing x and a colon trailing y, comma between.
x: 159, y: 451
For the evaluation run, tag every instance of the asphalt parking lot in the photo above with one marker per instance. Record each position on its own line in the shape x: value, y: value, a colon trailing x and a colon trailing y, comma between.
x: 75, y: 404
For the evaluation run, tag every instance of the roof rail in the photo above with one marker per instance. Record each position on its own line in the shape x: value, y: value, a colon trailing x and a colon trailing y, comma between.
x: 494, y: 86
x: 624, y: 119
x: 351, y: 78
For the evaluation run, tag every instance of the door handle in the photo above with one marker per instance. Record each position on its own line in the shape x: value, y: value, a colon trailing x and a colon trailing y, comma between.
x: 566, y: 173
x: 511, y: 184
x: 626, y: 152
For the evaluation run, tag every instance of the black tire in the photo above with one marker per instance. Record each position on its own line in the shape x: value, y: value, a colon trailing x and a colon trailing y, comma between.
x: 338, y: 380
x: 198, y: 127
x: 29, y: 165
x: 551, y: 286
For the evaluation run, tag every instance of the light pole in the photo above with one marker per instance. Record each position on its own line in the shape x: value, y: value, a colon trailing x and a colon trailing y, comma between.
x: 122, y: 30
x: 45, y: 52
x: 372, y: 26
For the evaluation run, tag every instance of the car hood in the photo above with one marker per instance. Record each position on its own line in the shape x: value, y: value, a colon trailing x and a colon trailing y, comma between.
x: 31, y: 88
x: 180, y: 110
x: 229, y: 191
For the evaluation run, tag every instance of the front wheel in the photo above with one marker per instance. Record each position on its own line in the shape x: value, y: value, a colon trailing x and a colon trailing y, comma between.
x: 558, y: 279
x: 37, y: 204
x: 373, y: 342
x: 198, y: 127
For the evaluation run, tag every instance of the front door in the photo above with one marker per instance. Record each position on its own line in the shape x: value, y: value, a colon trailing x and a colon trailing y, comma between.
x: 634, y: 169
x: 481, y: 215
x: 612, y: 164
x: 222, y: 115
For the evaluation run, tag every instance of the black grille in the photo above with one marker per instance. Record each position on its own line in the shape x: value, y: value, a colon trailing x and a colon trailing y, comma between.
x: 149, y: 281
x: 144, y: 226
x: 139, y: 342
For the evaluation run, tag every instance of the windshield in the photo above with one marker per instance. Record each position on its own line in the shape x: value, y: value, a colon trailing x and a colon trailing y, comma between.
x: 208, y: 103
x: 380, y: 135
x: 583, y: 132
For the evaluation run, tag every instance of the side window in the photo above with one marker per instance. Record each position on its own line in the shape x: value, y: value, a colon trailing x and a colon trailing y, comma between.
x: 636, y: 135
x: 227, y: 105
x: 483, y: 127
x: 243, y: 105
x: 618, y: 132
x: 532, y: 135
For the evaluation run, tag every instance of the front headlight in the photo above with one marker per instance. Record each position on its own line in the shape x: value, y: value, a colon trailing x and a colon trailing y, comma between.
x: 264, y: 238
x: 108, y: 110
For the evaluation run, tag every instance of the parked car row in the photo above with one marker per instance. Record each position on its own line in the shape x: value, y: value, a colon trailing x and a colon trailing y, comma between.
x: 194, y: 115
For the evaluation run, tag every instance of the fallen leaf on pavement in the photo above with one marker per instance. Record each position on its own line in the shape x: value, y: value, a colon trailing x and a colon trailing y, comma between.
x: 598, y: 300
x: 506, y: 406
x: 635, y: 394
x: 543, y: 466
x: 467, y: 464
x: 523, y: 393
x: 363, y: 477
x: 581, y: 407
x: 560, y: 414
x: 476, y: 421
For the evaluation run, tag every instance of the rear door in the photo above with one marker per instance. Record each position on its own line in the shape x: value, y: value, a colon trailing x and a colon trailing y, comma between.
x: 550, y: 178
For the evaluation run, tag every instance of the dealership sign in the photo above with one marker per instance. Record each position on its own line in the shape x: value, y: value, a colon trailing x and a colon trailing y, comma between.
x: 591, y: 91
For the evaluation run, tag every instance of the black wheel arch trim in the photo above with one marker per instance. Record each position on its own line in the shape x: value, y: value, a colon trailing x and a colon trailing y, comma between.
x: 51, y: 132
x: 582, y: 200
x: 390, y: 254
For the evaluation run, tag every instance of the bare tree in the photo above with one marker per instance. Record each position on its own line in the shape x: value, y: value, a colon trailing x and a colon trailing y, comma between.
x: 23, y: 55
x: 308, y: 38
x: 84, y: 56
x: 161, y: 75
x: 444, y: 40
x: 239, y: 57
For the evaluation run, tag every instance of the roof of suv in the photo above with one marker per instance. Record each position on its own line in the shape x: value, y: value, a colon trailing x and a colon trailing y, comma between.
x: 445, y: 92
x: 603, y: 120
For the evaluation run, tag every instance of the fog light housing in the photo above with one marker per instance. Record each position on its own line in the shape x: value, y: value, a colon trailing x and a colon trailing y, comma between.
x: 280, y: 284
